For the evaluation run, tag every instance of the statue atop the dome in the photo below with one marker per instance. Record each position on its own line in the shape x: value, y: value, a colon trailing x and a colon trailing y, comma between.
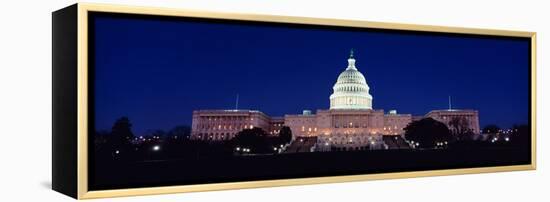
x: 351, y: 54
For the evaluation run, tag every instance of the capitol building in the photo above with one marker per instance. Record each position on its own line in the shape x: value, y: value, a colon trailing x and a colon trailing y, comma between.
x: 351, y: 123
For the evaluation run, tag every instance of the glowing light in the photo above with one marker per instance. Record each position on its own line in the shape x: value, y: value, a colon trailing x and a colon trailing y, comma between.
x: 117, y: 152
x: 156, y: 148
x: 507, y: 139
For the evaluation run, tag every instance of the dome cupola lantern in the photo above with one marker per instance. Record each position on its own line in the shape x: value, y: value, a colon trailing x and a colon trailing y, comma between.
x: 351, y: 61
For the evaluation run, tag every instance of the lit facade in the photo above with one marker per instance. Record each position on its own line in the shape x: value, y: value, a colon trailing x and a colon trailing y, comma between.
x: 470, y: 118
x: 225, y: 124
x: 350, y: 123
x: 348, y: 128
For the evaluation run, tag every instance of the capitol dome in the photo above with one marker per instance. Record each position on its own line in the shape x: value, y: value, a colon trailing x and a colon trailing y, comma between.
x: 351, y: 90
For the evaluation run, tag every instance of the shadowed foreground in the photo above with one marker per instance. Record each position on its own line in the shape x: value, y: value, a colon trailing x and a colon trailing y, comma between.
x: 113, y: 174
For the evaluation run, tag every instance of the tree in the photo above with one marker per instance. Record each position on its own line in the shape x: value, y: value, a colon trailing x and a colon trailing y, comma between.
x: 121, y: 131
x: 427, y: 132
x: 491, y: 129
x: 121, y: 137
x: 285, y: 134
x: 254, y: 139
x: 183, y: 132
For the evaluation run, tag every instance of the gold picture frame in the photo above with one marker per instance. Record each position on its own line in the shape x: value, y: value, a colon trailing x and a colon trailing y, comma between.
x: 81, y: 180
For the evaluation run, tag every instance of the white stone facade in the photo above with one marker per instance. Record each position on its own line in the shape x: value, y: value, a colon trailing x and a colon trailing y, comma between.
x: 445, y: 116
x: 350, y: 123
x: 225, y: 124
x: 349, y: 128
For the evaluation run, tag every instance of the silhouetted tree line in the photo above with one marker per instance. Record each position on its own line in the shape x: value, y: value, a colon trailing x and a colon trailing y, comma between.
x: 430, y: 133
x: 427, y: 133
x: 259, y: 142
x: 122, y: 145
x: 491, y: 129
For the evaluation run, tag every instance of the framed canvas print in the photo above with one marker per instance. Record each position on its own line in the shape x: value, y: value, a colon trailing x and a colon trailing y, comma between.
x: 152, y: 100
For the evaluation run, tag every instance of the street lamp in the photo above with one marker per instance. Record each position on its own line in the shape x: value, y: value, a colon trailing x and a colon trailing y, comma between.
x: 156, y: 148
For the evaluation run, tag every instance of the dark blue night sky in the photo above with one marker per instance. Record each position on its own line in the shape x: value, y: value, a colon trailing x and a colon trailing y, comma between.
x: 157, y: 71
